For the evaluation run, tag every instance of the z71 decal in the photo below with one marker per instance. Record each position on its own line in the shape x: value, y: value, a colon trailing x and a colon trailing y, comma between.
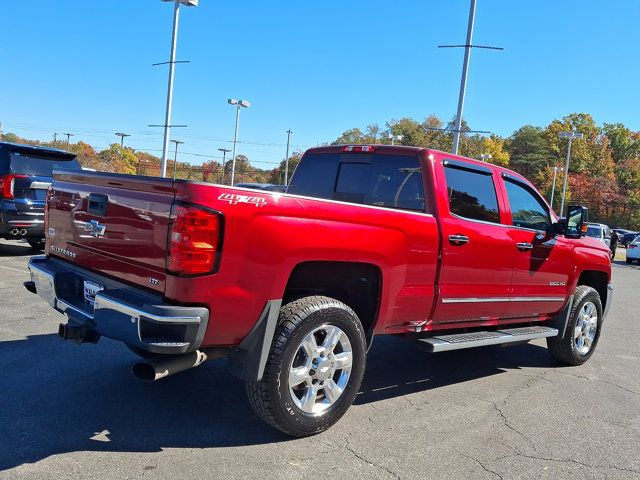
x: 234, y: 199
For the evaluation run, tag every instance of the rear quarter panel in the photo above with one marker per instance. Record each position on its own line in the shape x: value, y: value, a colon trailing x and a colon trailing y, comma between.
x: 267, y: 234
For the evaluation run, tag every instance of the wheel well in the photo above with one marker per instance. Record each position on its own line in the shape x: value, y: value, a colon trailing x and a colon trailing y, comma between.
x: 597, y: 280
x: 358, y: 285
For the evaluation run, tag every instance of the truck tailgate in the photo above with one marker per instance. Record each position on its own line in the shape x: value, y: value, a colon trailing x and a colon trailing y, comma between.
x: 113, y: 224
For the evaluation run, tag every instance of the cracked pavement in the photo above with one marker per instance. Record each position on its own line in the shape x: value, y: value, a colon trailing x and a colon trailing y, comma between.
x: 75, y: 412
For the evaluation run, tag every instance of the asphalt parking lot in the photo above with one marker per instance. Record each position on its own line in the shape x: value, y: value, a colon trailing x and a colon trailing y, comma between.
x: 75, y: 412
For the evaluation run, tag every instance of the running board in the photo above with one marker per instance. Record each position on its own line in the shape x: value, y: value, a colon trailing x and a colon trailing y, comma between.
x: 457, y: 341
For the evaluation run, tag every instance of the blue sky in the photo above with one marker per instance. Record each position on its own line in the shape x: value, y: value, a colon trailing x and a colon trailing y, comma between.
x: 319, y: 68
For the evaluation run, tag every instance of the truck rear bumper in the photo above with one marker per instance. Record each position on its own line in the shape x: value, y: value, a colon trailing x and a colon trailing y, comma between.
x: 120, y: 312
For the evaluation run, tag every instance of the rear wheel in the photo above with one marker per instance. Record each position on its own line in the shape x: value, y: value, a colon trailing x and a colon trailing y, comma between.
x: 315, y: 367
x: 583, y: 329
x: 36, y: 243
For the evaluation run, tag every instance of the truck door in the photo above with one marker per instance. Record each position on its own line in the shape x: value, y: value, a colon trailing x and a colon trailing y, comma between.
x: 542, y: 261
x: 477, y: 251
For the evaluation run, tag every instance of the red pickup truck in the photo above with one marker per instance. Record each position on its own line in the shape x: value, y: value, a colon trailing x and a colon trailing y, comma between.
x: 446, y: 251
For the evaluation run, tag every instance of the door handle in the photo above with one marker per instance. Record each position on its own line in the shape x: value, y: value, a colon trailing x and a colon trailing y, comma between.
x: 458, y: 239
x: 524, y: 246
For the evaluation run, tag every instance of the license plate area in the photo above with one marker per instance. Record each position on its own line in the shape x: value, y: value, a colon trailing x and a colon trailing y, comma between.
x: 90, y: 290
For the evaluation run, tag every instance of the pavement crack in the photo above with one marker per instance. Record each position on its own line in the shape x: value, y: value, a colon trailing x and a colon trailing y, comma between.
x: 484, y: 467
x: 597, y: 380
x: 506, y: 422
x: 576, y: 462
x: 367, y: 461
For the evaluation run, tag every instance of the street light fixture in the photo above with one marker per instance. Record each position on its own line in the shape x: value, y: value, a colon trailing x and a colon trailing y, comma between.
x: 238, y: 104
x: 172, y: 61
x: 485, y: 156
x: 393, y: 138
x: 571, y: 136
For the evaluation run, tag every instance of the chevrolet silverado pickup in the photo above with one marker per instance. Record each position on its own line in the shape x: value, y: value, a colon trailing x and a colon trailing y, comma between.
x: 292, y: 287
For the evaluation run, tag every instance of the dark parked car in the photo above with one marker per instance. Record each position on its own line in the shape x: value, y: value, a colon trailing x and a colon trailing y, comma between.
x: 25, y: 174
x: 627, y: 238
x: 270, y: 187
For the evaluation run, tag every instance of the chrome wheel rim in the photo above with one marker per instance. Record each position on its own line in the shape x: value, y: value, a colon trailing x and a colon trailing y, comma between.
x: 586, y: 328
x: 320, y: 369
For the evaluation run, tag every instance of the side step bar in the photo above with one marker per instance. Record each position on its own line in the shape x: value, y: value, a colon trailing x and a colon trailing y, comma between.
x: 457, y: 341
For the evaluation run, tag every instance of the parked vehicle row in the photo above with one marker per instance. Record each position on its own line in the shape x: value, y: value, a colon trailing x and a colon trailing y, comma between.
x: 25, y: 174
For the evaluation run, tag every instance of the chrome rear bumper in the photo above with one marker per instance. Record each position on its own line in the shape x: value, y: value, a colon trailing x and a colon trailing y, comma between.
x: 120, y: 312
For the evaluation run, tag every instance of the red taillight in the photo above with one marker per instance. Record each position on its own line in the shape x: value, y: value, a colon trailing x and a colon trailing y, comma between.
x: 359, y: 148
x: 6, y: 185
x: 194, y: 238
x: 632, y: 246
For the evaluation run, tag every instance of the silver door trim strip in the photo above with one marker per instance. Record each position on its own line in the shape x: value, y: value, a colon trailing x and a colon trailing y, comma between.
x: 503, y: 299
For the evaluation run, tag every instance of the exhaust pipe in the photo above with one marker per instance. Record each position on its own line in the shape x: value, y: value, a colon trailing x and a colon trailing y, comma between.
x: 162, y: 366
x: 14, y: 232
x: 23, y: 232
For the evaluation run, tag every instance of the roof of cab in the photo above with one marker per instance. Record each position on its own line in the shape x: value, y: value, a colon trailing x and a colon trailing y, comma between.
x: 407, y: 150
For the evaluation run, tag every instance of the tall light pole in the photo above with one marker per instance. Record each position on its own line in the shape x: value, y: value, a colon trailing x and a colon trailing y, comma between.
x: 553, y: 185
x: 224, y: 158
x: 570, y: 135
x: 465, y: 67
x: 238, y: 104
x: 175, y: 156
x: 286, y: 159
x: 68, y: 136
x: 172, y: 61
x: 55, y: 138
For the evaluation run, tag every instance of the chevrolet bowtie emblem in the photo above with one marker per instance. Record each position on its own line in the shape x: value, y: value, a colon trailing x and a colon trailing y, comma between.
x: 95, y: 228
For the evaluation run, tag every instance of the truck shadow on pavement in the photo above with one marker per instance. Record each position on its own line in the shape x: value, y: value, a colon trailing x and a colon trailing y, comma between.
x: 57, y: 397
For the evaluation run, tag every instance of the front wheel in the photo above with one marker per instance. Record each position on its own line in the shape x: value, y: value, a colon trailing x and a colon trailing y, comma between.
x: 314, y: 369
x: 583, y: 329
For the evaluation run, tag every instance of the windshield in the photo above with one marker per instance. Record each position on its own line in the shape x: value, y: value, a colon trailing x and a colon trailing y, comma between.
x: 40, y: 166
x: 594, y: 231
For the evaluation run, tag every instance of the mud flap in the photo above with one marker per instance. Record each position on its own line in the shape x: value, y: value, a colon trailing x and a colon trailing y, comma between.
x: 247, y: 361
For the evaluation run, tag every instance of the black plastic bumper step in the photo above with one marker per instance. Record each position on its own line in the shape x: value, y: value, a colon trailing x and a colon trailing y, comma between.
x: 457, y: 341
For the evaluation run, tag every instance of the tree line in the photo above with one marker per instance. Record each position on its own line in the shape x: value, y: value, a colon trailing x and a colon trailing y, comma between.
x: 604, y: 169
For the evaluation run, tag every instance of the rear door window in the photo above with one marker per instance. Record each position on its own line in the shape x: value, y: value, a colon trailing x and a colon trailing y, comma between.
x: 472, y: 194
x: 392, y: 181
x: 40, y: 165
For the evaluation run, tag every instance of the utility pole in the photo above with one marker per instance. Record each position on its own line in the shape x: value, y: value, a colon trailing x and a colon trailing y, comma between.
x: 1, y: 131
x: 175, y: 157
x: 55, y: 138
x: 122, y: 137
x: 286, y: 160
x: 465, y: 68
x: 570, y: 135
x: 68, y: 135
x: 224, y: 157
x: 553, y: 185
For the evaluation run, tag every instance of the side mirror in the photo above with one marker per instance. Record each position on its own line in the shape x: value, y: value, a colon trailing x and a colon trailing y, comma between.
x: 577, y: 217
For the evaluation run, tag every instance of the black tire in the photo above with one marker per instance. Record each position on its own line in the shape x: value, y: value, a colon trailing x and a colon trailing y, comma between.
x: 271, y: 397
x: 564, y: 350
x: 36, y: 244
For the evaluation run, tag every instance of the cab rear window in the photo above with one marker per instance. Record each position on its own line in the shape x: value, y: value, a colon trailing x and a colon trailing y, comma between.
x: 391, y: 181
x: 40, y: 165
